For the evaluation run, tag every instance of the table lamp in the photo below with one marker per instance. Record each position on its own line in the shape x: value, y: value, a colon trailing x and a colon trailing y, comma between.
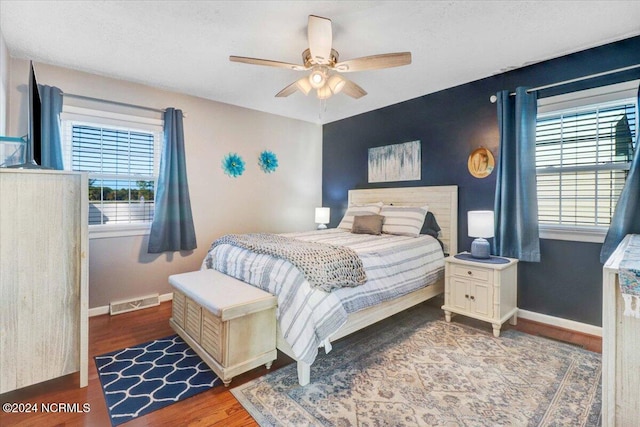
x: 480, y: 225
x: 322, y: 217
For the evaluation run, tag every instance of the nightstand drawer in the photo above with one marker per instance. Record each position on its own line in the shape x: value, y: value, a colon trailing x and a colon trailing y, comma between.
x: 475, y: 273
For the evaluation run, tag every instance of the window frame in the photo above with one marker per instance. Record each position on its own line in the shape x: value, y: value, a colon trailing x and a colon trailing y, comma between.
x: 617, y: 93
x: 73, y: 115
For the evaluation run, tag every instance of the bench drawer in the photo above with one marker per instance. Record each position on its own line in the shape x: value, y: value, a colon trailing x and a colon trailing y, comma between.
x: 193, y: 319
x: 212, y: 336
x: 178, y: 308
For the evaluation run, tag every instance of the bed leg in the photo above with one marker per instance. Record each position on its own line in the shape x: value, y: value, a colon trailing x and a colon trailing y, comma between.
x: 304, y: 373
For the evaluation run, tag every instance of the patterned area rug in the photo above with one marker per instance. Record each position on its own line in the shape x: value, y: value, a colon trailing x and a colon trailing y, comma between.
x: 141, y: 379
x: 420, y: 371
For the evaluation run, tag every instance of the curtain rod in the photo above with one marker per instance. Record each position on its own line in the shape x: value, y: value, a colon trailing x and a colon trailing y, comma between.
x: 122, y: 104
x: 494, y: 98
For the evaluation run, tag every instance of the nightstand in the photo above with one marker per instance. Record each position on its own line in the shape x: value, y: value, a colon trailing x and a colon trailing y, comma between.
x: 481, y: 290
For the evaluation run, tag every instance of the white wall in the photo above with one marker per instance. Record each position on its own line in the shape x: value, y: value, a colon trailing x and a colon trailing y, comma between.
x: 278, y: 202
x: 4, y: 84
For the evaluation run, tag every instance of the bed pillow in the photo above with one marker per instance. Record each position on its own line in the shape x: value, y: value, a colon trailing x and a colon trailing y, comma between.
x: 367, y: 224
x: 403, y: 220
x: 368, y: 209
x: 430, y: 226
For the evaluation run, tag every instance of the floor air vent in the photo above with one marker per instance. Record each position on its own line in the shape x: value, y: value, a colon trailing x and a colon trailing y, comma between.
x: 124, y: 306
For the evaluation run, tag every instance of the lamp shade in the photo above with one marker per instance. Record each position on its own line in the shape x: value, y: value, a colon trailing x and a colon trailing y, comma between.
x: 323, y: 92
x: 322, y: 215
x: 336, y: 83
x: 480, y: 223
x: 303, y: 85
x: 318, y: 77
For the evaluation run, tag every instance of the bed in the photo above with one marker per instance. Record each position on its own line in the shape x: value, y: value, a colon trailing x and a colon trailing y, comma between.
x: 401, y: 272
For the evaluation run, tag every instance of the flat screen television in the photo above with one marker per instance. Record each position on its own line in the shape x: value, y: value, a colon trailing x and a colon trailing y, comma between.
x: 33, y: 153
x: 35, y: 108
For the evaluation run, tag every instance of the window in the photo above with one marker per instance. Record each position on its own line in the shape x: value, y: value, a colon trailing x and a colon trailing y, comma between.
x: 583, y: 154
x: 121, y: 160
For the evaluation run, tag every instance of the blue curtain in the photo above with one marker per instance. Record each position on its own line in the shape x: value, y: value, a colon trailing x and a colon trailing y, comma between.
x: 516, y: 202
x: 51, y: 136
x: 172, y: 228
x: 626, y: 217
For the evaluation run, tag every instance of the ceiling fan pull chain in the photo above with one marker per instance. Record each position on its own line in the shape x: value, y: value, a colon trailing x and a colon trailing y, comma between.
x: 322, y: 109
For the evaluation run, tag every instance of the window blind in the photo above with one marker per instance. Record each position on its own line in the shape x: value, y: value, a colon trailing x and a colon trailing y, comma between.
x: 121, y: 166
x: 582, y: 161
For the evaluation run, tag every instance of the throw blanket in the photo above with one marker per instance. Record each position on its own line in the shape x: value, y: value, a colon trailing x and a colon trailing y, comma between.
x: 325, y: 266
x: 629, y: 277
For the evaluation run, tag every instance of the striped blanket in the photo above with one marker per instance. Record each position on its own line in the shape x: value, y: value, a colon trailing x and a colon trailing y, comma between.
x: 394, y: 265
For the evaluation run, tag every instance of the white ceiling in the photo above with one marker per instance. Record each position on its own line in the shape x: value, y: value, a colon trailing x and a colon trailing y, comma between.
x: 184, y: 46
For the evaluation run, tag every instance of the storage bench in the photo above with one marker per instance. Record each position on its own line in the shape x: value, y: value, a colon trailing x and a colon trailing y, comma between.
x: 231, y: 325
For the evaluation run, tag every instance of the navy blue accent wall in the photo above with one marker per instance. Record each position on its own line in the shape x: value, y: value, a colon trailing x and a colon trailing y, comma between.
x: 452, y: 123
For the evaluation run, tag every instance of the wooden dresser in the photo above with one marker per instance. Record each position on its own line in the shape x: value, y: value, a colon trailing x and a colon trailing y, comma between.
x: 620, y: 351
x: 43, y: 276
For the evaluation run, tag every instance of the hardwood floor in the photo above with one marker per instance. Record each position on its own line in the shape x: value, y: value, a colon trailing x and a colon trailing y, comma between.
x: 216, y: 407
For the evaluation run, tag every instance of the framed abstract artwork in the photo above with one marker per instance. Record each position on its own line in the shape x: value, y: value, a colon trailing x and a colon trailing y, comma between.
x: 396, y: 162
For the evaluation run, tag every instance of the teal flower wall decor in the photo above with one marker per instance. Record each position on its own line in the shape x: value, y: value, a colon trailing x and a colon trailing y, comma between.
x: 268, y: 161
x: 233, y: 165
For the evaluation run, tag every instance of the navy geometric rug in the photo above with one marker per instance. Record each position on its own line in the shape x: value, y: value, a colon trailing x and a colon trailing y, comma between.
x: 144, y: 378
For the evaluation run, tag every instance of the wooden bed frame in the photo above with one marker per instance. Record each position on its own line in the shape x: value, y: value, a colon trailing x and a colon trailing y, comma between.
x: 443, y: 203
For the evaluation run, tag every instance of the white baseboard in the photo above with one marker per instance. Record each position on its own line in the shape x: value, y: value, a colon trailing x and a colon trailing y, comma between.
x: 560, y: 322
x: 98, y: 311
x: 524, y: 314
x: 166, y: 297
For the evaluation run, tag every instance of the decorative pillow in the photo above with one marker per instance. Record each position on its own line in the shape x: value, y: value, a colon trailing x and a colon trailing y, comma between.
x: 403, y: 220
x: 368, y: 209
x: 367, y: 224
x: 430, y: 225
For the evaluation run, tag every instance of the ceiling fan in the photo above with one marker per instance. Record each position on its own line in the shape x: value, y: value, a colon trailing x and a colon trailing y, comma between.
x: 322, y: 60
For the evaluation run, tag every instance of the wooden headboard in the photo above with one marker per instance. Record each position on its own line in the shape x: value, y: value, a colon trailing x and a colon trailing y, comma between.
x: 442, y: 202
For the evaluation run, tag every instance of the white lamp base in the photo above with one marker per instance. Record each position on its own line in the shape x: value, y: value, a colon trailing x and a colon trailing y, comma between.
x: 480, y: 248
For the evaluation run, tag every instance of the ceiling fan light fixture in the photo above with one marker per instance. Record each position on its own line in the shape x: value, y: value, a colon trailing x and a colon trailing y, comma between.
x: 320, y: 60
x: 304, y: 86
x: 324, y: 92
x: 336, y: 83
x: 317, y: 78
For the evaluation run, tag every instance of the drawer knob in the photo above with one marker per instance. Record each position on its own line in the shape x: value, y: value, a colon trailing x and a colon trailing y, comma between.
x: 466, y: 296
x: 469, y: 273
x: 473, y: 298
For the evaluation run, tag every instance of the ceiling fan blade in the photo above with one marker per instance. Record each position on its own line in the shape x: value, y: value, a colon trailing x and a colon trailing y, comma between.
x: 287, y: 90
x: 320, y: 39
x: 267, y: 62
x: 302, y: 85
x: 375, y: 62
x: 353, y: 90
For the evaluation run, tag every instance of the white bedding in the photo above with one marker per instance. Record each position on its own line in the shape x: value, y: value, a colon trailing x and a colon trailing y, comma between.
x: 395, y: 266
